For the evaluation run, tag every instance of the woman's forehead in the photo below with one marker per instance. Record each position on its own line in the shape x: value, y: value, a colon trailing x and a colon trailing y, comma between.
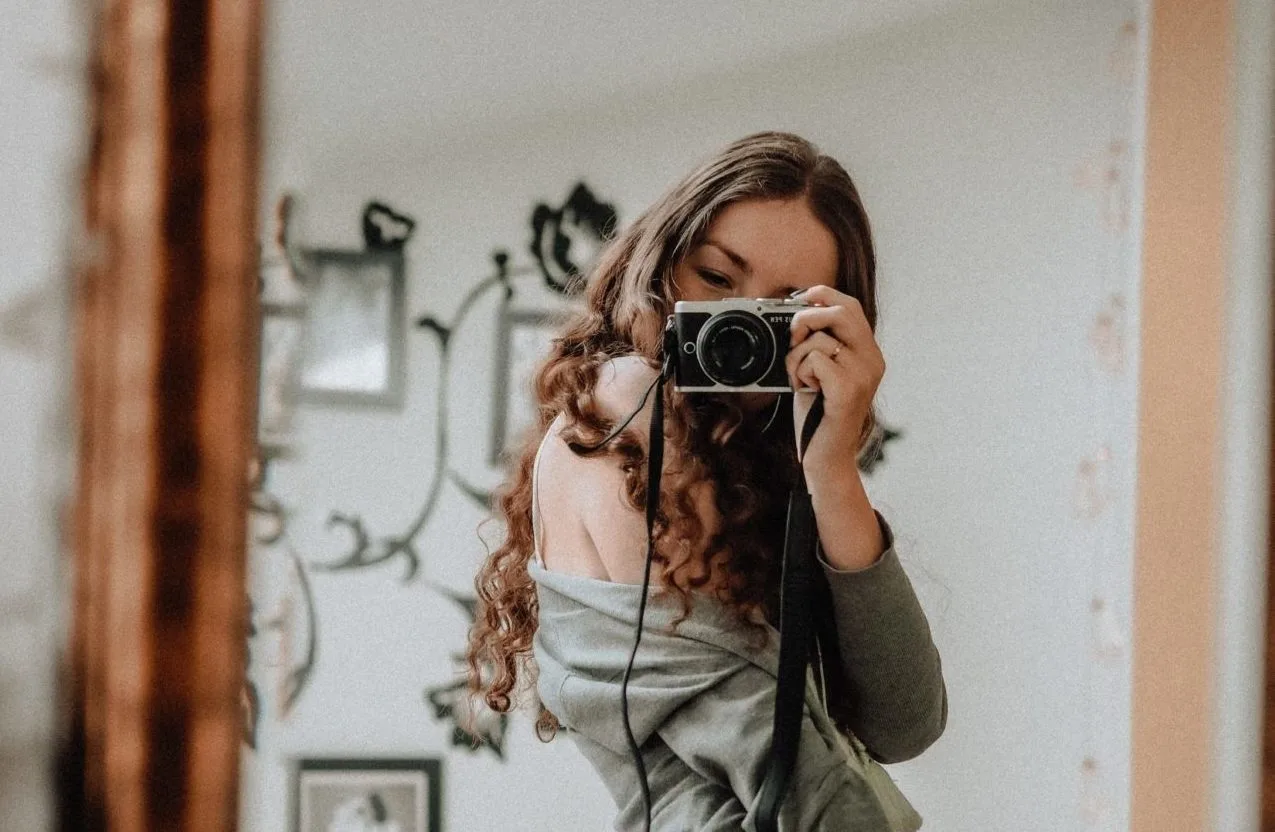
x: 773, y: 239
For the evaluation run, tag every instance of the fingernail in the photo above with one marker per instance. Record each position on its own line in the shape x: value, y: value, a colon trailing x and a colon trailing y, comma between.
x: 795, y: 293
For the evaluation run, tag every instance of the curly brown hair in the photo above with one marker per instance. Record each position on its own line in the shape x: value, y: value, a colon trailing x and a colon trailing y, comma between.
x: 710, y: 439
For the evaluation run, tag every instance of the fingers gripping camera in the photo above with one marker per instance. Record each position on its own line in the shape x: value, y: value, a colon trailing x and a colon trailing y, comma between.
x: 736, y: 345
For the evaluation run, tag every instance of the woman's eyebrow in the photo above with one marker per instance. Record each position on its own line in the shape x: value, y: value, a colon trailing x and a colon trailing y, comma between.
x: 733, y: 256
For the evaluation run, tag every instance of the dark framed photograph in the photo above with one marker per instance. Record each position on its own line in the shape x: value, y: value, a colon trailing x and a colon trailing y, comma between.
x: 368, y: 795
x: 523, y: 339
x: 354, y: 335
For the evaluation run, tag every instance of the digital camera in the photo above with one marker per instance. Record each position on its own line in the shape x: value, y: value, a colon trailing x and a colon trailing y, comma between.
x: 737, y: 345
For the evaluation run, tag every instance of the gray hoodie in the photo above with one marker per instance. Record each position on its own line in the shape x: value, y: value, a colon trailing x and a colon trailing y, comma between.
x: 701, y: 700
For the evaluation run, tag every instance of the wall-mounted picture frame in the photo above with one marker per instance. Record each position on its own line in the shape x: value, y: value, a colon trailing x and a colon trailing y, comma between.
x: 367, y: 795
x: 282, y: 334
x: 354, y: 336
x: 523, y: 339
x: 282, y: 308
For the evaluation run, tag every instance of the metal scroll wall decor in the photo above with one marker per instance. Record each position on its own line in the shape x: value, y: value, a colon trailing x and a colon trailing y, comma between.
x: 473, y: 725
x: 290, y: 299
x: 564, y: 242
x: 292, y: 619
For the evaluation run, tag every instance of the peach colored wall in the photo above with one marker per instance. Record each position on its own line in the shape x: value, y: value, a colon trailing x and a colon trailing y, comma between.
x: 1182, y: 340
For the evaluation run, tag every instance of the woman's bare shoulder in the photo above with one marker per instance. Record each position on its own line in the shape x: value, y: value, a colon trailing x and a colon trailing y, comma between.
x: 622, y: 382
x: 587, y: 492
x: 589, y: 527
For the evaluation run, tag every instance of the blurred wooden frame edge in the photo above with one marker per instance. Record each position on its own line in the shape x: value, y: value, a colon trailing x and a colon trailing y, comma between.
x: 165, y: 382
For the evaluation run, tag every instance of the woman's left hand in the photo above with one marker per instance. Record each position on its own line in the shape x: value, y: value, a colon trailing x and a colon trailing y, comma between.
x: 833, y: 352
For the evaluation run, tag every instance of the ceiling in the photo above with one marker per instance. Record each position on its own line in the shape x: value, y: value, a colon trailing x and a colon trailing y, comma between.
x: 456, y: 63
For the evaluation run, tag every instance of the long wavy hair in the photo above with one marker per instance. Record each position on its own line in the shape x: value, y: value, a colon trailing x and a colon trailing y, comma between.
x: 751, y: 468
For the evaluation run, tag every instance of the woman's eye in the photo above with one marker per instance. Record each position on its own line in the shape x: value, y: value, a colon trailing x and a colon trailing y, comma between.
x: 714, y: 279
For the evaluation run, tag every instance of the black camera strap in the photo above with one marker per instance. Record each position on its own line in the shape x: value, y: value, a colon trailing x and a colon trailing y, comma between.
x: 655, y: 467
x: 799, y: 589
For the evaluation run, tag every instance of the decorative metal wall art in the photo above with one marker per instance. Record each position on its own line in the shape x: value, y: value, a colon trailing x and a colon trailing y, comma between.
x: 384, y: 229
x: 474, y: 726
x: 289, y: 619
x: 566, y: 240
x: 283, y: 304
x: 365, y: 550
x: 873, y: 452
x: 296, y: 624
x: 249, y: 695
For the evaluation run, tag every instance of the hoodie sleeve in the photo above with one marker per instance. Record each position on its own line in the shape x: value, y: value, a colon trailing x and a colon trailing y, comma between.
x: 897, y: 700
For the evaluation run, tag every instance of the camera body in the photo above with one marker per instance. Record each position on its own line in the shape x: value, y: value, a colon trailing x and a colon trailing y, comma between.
x: 736, y: 345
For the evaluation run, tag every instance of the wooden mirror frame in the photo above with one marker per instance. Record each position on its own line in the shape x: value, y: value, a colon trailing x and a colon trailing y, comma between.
x: 167, y: 338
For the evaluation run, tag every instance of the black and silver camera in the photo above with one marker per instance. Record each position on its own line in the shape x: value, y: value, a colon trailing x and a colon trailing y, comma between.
x: 736, y: 345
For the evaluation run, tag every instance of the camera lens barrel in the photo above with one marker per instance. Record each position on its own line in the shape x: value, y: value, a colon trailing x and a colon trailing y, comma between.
x: 736, y: 348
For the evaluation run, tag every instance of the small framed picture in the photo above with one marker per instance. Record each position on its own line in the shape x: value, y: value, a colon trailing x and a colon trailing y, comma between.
x: 523, y: 339
x: 368, y: 795
x: 354, y: 335
x: 282, y: 328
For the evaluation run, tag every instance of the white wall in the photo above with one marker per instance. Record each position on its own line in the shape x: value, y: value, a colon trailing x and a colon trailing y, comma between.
x: 41, y: 108
x: 976, y: 137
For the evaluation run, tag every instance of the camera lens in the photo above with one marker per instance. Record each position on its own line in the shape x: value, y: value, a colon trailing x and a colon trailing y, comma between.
x: 736, y: 349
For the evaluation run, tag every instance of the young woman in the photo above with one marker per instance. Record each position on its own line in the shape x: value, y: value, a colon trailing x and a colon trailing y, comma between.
x: 766, y: 218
